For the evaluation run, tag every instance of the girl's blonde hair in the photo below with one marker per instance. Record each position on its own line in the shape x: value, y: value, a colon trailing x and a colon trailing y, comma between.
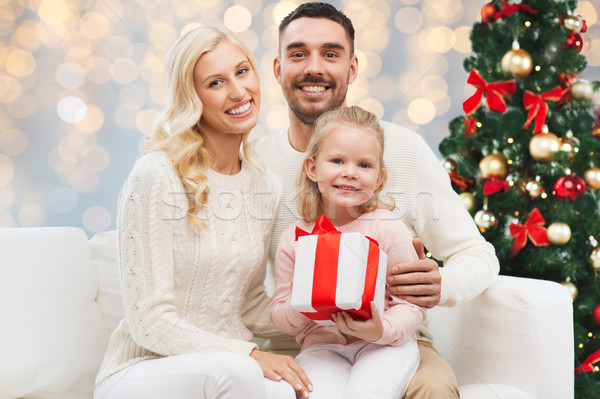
x: 310, y: 202
x: 177, y: 130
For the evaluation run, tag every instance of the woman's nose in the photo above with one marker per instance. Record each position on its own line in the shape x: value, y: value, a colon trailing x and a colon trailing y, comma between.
x: 236, y: 90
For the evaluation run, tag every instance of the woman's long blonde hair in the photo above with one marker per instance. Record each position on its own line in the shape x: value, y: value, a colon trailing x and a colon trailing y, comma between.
x: 178, y: 131
x: 310, y: 202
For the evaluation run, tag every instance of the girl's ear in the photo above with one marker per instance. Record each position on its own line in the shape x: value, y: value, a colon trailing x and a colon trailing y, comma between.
x: 311, y: 169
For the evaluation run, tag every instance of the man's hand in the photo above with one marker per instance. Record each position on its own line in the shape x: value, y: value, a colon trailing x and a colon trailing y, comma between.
x: 277, y: 367
x: 417, y: 281
x: 369, y: 330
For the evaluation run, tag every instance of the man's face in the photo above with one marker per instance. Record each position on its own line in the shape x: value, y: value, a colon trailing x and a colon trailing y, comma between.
x: 314, y: 67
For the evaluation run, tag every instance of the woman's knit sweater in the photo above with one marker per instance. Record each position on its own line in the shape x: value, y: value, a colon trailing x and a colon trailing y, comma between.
x: 186, y: 291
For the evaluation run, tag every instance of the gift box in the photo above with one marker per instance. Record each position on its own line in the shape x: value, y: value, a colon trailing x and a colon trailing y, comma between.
x: 337, y: 271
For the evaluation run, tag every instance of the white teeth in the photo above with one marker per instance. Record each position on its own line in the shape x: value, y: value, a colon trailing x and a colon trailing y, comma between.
x: 313, y: 89
x: 349, y: 188
x: 240, y: 110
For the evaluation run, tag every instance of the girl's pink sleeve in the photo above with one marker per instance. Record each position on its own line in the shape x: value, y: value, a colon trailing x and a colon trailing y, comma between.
x: 401, y: 318
x: 285, y: 318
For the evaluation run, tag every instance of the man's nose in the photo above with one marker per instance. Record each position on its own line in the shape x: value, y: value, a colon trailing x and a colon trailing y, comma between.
x: 314, y: 66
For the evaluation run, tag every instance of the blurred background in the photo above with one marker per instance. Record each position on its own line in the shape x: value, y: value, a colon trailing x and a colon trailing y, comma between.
x: 81, y: 82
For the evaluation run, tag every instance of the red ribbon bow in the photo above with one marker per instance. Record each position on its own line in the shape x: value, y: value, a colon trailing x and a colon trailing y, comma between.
x: 470, y: 126
x: 510, y: 9
x: 588, y: 363
x: 493, y: 186
x: 533, y: 228
x: 537, y: 107
x: 494, y: 93
x: 322, y: 226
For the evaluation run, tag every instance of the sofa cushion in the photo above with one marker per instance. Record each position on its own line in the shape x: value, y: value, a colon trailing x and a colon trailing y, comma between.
x: 103, y: 247
x: 53, y: 336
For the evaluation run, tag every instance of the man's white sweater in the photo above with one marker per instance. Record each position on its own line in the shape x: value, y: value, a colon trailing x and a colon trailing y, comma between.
x: 425, y: 201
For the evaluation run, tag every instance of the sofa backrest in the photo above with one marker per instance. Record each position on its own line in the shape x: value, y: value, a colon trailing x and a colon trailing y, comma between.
x: 53, y: 334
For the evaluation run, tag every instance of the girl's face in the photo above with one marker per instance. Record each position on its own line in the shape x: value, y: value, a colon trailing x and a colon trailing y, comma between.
x: 229, y: 90
x: 347, y: 170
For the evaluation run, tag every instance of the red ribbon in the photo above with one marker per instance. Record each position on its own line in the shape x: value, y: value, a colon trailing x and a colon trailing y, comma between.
x: 325, y: 272
x: 537, y: 107
x: 510, y: 9
x: 494, y: 93
x: 493, y: 186
x: 588, y: 363
x: 470, y: 126
x: 533, y: 228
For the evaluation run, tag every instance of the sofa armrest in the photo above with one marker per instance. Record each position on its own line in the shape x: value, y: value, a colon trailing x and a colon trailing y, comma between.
x: 519, y: 332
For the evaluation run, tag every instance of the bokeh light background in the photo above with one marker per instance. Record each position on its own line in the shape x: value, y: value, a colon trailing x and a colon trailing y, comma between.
x: 81, y: 82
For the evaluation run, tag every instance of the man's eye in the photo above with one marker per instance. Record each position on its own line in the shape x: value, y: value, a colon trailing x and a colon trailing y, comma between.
x: 330, y: 55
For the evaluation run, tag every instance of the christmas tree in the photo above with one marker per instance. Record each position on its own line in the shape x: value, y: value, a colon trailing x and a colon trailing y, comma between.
x: 525, y: 157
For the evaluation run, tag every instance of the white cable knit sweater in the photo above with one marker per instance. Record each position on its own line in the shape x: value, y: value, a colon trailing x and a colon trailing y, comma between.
x: 425, y: 202
x: 186, y: 291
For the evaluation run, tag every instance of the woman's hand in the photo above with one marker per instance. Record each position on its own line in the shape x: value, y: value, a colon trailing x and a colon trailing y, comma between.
x: 369, y: 330
x: 277, y: 367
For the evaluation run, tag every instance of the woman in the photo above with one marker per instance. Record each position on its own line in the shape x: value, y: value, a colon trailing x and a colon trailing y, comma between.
x: 194, y: 223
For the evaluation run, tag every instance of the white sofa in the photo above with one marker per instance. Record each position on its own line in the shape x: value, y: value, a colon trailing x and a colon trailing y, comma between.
x: 60, y: 299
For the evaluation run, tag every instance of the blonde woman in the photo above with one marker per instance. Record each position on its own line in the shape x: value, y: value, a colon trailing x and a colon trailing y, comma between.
x: 341, y: 178
x: 194, y: 224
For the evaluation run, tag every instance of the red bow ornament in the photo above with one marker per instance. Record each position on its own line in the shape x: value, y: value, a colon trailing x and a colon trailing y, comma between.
x: 494, y: 186
x: 494, y: 93
x: 470, y: 126
x: 588, y: 363
x: 510, y: 9
x: 533, y: 228
x: 537, y: 107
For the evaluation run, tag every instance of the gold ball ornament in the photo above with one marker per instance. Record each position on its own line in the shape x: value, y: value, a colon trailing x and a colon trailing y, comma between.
x: 542, y: 146
x: 592, y: 177
x: 571, y: 288
x: 559, y: 233
x: 468, y: 200
x: 485, y: 220
x: 516, y: 62
x: 582, y: 90
x: 534, y: 188
x: 573, y: 23
x: 493, y: 165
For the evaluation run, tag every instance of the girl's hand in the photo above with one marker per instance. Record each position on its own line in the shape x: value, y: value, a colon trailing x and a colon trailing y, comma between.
x: 369, y: 330
x: 277, y: 367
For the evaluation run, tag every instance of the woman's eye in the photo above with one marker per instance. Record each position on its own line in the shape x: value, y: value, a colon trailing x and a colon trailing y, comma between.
x: 214, y: 83
x: 242, y: 71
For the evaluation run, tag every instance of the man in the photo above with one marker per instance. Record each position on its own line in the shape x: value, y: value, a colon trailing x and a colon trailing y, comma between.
x: 315, y: 65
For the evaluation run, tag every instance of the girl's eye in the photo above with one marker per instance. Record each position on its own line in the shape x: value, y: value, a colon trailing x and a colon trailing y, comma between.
x: 364, y: 165
x: 336, y: 161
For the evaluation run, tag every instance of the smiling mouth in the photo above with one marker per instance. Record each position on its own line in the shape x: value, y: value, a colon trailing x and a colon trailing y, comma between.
x: 313, y: 89
x: 346, y: 188
x: 239, y: 110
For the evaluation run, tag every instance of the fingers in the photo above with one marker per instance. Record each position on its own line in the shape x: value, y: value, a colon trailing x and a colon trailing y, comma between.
x: 375, y: 313
x: 418, y: 244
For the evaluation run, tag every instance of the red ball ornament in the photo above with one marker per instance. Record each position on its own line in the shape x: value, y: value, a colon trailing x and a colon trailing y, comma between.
x: 596, y: 314
x: 596, y: 130
x: 488, y: 11
x: 569, y: 186
x: 574, y: 41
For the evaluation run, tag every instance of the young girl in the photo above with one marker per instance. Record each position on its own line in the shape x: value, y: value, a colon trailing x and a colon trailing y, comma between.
x: 342, y: 178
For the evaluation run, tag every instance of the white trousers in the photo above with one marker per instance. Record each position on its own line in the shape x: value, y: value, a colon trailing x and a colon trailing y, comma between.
x: 360, y: 370
x: 206, y: 375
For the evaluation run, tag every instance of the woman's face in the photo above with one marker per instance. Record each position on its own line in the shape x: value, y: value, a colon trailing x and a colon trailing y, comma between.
x: 229, y: 90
